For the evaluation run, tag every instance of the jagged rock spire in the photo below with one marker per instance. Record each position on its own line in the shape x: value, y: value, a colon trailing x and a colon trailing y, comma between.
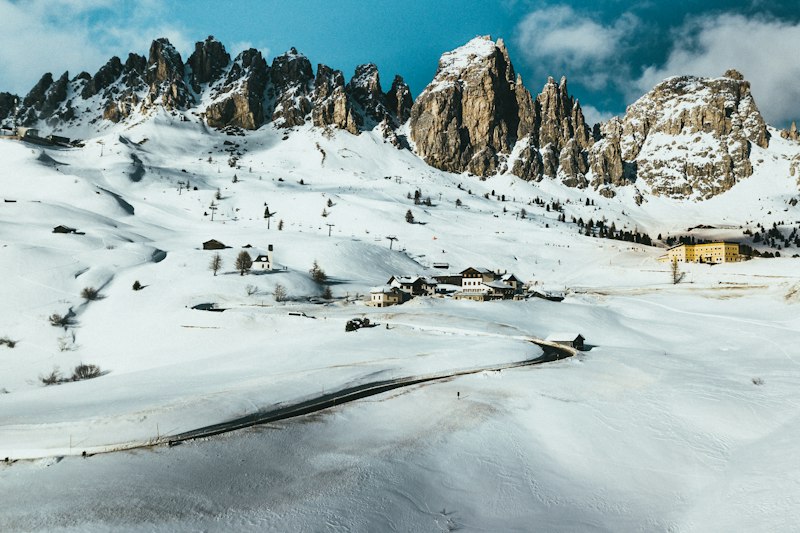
x: 208, y: 61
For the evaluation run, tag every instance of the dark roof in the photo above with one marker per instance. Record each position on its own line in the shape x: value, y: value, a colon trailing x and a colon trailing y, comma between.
x: 63, y: 229
x: 213, y: 244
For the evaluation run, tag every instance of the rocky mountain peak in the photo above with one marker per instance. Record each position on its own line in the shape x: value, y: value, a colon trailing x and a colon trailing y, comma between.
x: 238, y: 100
x: 332, y: 106
x: 468, y: 114
x: 365, y: 89
x: 693, y: 136
x: 560, y: 117
x: 165, y: 76
x: 792, y: 134
x: 208, y: 61
x: 399, y: 100
x: 292, y: 81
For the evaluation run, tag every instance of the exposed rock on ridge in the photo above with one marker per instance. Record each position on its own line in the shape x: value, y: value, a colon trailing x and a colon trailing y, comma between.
x: 469, y: 113
x: 693, y: 136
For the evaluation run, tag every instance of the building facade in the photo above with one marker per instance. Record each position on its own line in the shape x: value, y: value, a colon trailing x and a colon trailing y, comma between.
x: 712, y: 252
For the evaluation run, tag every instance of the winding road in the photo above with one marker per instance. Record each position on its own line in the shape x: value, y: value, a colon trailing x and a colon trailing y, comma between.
x: 552, y: 352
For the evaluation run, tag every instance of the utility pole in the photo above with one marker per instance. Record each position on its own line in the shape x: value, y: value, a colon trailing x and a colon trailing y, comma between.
x: 212, y: 208
x: 329, y: 228
x: 391, y: 238
x: 181, y: 185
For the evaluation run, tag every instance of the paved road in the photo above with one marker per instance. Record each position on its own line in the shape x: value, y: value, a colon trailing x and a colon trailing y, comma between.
x: 351, y: 394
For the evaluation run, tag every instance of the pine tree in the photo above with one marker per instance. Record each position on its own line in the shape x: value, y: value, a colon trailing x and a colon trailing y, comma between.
x: 409, y: 217
x: 317, y: 274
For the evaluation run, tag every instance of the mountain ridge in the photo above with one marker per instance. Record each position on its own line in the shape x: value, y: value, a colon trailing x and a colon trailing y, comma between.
x: 688, y: 138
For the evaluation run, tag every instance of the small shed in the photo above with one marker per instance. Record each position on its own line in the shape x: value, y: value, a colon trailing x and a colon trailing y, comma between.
x: 573, y: 340
x: 213, y: 244
x: 64, y: 229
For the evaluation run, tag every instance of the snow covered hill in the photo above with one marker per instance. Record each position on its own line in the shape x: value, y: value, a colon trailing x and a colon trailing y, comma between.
x: 683, y: 404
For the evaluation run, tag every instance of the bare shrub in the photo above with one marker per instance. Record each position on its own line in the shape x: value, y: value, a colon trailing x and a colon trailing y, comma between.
x: 53, y: 378
x: 59, y: 320
x: 90, y: 293
x: 280, y: 293
x: 251, y: 290
x: 83, y: 371
x: 757, y: 381
x: 8, y: 342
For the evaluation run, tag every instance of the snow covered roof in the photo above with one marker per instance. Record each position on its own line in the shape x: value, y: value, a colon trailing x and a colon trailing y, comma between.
x: 562, y: 336
x: 480, y: 270
x: 382, y: 289
x: 498, y: 285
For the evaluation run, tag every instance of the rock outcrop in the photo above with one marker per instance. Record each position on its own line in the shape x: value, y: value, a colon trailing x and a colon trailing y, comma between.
x: 693, y: 136
x: 332, y: 107
x: 399, y: 100
x: 238, y: 100
x: 605, y: 158
x: 559, y: 118
x: 290, y: 91
x: 792, y: 134
x: 208, y: 61
x: 165, y: 77
x: 468, y: 115
x: 7, y: 102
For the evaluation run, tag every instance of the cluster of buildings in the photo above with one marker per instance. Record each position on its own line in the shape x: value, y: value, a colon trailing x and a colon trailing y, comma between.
x: 711, y: 252
x: 478, y: 284
x: 261, y: 263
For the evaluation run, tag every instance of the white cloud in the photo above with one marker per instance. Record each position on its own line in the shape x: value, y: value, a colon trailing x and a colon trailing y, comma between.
x: 557, y: 40
x: 594, y: 116
x: 75, y: 35
x: 764, y: 50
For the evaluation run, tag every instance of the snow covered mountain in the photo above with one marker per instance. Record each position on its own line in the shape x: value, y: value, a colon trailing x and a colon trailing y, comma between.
x: 689, y: 137
x: 682, y: 410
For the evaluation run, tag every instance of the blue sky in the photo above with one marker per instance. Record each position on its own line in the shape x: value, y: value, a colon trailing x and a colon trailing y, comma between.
x: 611, y: 51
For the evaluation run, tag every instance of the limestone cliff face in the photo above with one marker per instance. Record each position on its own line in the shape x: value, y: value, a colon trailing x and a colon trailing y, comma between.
x: 476, y: 116
x: 207, y: 63
x: 332, y: 107
x: 468, y: 115
x: 165, y: 77
x: 238, y: 98
x: 399, y: 100
x: 689, y: 137
x: 559, y: 118
x: 605, y: 159
x: 292, y: 81
x: 692, y: 137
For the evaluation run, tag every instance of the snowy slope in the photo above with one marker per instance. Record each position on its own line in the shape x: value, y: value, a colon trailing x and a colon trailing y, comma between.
x: 654, y: 426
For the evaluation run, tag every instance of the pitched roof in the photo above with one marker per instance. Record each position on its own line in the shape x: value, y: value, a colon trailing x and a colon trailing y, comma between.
x: 382, y: 289
x: 498, y: 285
x: 480, y: 270
x: 562, y: 336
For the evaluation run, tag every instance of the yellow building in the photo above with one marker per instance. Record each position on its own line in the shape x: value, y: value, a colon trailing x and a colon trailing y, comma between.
x: 711, y: 252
